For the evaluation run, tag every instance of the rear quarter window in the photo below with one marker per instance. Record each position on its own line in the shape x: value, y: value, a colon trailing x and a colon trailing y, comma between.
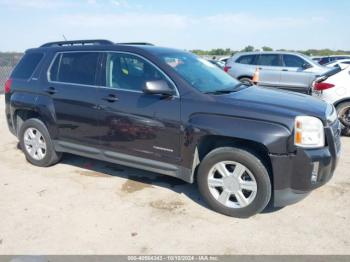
x: 27, y: 65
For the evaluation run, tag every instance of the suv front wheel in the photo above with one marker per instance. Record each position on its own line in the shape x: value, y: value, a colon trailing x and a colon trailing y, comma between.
x: 36, y: 143
x: 343, y: 111
x: 234, y: 182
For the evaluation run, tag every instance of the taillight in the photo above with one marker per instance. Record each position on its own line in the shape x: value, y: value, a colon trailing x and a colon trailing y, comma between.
x: 7, y: 87
x: 226, y: 68
x: 322, y: 86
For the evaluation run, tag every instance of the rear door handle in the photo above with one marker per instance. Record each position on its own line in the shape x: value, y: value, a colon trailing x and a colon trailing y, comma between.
x: 51, y: 91
x: 285, y: 70
x: 110, y: 98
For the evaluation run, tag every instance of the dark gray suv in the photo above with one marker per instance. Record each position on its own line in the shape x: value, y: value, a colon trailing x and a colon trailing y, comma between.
x: 171, y: 112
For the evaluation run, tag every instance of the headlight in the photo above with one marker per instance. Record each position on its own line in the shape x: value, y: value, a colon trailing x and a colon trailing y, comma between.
x: 309, y: 132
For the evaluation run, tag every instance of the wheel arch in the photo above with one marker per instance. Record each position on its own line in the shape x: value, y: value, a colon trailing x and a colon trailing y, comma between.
x: 210, y: 142
x: 21, y: 115
x: 344, y: 100
x: 245, y: 76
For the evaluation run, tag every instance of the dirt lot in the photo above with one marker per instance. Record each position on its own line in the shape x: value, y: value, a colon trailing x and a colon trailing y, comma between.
x: 83, y: 206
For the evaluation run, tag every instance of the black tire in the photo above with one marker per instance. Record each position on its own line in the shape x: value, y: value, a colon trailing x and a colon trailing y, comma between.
x: 51, y: 156
x: 246, y: 80
x: 345, y: 124
x: 256, y: 167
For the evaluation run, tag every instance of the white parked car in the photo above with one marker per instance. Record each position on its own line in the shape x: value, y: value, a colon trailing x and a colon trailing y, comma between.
x: 334, y: 88
x: 338, y: 62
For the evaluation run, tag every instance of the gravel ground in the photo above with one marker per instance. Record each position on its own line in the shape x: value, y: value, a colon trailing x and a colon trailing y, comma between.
x: 83, y: 206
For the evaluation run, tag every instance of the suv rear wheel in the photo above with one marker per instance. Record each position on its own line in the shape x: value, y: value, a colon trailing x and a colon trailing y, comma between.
x: 343, y: 111
x: 36, y: 144
x: 246, y: 80
x: 234, y: 182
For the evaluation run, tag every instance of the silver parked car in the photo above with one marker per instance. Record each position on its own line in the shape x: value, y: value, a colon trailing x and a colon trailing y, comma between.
x: 285, y: 70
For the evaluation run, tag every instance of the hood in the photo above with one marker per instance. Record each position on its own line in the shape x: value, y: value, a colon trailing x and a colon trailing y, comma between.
x: 273, y: 105
x: 317, y: 70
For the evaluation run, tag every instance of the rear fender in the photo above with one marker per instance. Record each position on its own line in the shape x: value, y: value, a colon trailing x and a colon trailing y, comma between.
x: 38, y: 105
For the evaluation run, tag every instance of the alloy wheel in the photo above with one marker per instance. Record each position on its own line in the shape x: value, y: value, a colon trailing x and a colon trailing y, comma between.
x: 35, y: 143
x: 232, y: 184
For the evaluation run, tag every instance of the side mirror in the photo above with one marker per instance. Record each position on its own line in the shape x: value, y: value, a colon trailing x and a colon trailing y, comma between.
x: 158, y: 87
x: 306, y: 66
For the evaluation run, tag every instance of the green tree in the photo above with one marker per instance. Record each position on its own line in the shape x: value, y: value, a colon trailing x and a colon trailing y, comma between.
x: 248, y: 48
x: 266, y: 48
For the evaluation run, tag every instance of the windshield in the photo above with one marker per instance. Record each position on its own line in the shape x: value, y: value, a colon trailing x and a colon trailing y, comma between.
x: 198, y: 72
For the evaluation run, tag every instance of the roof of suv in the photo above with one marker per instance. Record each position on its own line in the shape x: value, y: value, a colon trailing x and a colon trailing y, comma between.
x: 268, y: 52
x: 101, y: 44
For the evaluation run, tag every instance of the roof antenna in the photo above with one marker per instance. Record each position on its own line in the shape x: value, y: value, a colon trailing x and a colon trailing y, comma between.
x: 64, y: 37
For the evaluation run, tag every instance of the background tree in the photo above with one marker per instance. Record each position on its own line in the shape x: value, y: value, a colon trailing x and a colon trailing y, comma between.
x: 266, y: 48
x: 248, y: 48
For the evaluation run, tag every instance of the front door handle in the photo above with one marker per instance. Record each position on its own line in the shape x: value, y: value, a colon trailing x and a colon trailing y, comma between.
x: 285, y: 70
x: 51, y: 91
x: 110, y: 98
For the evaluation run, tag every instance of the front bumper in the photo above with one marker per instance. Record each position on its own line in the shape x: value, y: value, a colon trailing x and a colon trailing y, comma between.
x: 292, y: 174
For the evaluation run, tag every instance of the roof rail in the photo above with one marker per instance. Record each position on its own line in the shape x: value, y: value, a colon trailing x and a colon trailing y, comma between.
x: 135, y: 43
x: 78, y: 42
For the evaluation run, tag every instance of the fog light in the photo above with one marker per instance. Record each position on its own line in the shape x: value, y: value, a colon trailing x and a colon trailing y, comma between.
x: 314, y: 174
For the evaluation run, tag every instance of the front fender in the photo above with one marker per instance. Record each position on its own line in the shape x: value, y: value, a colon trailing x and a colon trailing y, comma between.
x: 275, y: 137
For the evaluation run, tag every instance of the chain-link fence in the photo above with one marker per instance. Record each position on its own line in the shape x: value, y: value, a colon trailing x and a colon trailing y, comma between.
x: 7, y: 62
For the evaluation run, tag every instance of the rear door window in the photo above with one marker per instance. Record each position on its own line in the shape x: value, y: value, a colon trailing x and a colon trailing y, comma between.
x: 246, y: 59
x: 75, y: 68
x: 293, y: 61
x: 27, y: 65
x: 269, y: 60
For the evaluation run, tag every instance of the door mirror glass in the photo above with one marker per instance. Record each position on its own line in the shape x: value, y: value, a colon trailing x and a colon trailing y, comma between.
x: 158, y: 87
x: 306, y: 66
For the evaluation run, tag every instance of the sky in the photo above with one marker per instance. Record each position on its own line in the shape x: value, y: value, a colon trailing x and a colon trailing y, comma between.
x: 184, y: 24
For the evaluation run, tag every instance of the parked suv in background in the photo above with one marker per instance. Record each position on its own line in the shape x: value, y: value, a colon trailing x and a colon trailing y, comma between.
x: 284, y: 70
x: 168, y: 111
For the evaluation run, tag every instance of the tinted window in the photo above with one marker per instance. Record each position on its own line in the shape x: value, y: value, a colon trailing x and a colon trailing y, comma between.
x: 293, y: 61
x: 130, y: 72
x: 246, y: 59
x: 27, y: 65
x: 269, y: 60
x: 324, y: 60
x: 76, y: 68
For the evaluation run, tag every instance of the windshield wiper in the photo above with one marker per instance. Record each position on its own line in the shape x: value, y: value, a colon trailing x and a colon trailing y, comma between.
x: 236, y: 88
x: 218, y: 92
